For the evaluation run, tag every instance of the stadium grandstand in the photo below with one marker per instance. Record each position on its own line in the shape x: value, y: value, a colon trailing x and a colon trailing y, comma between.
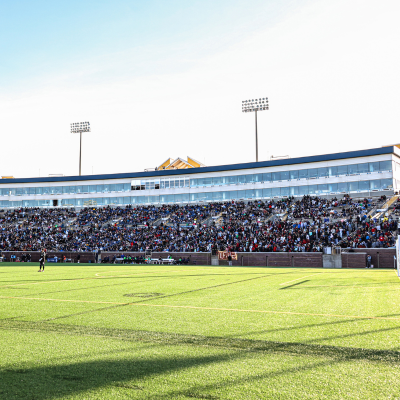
x: 299, y: 205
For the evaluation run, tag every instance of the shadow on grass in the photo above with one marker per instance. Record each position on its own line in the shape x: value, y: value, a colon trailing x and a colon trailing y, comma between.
x: 59, y: 381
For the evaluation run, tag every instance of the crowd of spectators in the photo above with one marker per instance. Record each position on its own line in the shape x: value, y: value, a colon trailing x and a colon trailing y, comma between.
x: 296, y: 225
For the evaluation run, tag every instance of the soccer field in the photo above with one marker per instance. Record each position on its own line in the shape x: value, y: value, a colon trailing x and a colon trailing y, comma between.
x: 178, y: 332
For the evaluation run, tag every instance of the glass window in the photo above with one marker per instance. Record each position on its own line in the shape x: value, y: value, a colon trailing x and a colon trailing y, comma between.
x: 373, y: 166
x: 78, y: 189
x: 323, y: 172
x: 323, y: 188
x: 313, y: 173
x: 193, y: 182
x: 233, y: 194
x: 100, y: 188
x: 46, y: 190
x: 353, y: 186
x: 187, y: 182
x: 166, y: 183
x: 385, y: 165
x: 242, y: 179
x: 285, y: 175
x: 112, y: 187
x: 375, y: 184
x: 303, y: 190
x: 85, y: 189
x: 193, y: 196
x: 294, y: 190
x: 32, y: 191
x: 225, y: 195
x: 258, y: 193
x: 232, y: 180
x: 25, y: 191
x: 217, y: 181
x: 267, y: 192
x: 114, y: 200
x: 79, y: 202
x: 106, y: 188
x: 45, y: 203
x: 201, y: 196
x: 72, y: 189
x: 313, y: 189
x: 177, y: 198
x: 285, y: 191
x: 267, y: 177
x: 332, y: 171
x: 387, y: 183
x: 241, y: 194
x: 209, y: 196
x: 126, y: 188
x: 343, y: 187
x: 217, y: 196
x: 68, y: 202
x: 294, y: 174
x: 169, y: 198
x: 363, y: 168
x: 258, y: 177
x: 333, y: 187
x: 30, y: 203
x: 18, y: 191
x: 363, y: 185
x: 92, y: 188
x: 58, y: 190
x: 119, y: 187
x: 303, y: 173
x: 206, y: 182
x: 249, y: 178
x: 275, y: 192
x: 276, y: 176
x: 342, y: 169
x: 65, y: 189
x: 352, y: 169
x: 39, y: 190
x: 250, y: 194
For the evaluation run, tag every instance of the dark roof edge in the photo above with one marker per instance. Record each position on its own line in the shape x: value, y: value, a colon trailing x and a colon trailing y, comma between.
x: 218, y: 168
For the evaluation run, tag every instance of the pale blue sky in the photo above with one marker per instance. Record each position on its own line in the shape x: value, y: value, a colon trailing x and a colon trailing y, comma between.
x: 38, y: 38
x: 160, y: 79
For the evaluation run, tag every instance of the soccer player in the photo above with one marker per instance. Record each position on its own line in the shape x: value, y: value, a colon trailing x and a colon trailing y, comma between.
x: 42, y: 260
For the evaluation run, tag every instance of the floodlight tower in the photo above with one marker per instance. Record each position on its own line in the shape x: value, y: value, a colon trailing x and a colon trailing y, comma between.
x: 255, y: 105
x: 80, y: 127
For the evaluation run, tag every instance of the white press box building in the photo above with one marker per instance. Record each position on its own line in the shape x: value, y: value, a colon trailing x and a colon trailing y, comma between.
x: 359, y: 173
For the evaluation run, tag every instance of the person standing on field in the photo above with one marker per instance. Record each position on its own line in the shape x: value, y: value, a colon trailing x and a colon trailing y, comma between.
x: 42, y: 260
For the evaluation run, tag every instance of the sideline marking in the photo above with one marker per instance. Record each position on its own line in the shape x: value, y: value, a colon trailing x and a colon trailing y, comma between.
x: 294, y: 280
x: 206, y: 308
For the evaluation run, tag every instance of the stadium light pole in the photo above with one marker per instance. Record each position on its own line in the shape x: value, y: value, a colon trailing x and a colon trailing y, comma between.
x: 254, y: 106
x: 80, y: 127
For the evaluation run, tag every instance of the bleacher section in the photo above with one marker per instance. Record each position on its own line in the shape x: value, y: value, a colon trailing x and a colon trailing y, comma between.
x: 290, y: 224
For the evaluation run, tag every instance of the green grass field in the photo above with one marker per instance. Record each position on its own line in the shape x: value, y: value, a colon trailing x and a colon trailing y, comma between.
x: 175, y: 332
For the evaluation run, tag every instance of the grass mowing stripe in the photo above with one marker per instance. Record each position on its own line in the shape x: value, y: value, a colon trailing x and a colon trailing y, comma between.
x: 195, y: 308
x: 62, y: 300
x: 337, y: 352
